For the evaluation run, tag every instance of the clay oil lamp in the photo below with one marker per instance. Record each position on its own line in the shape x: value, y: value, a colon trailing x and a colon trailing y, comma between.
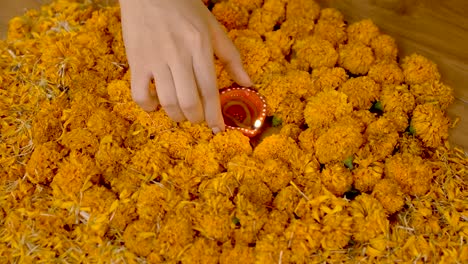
x: 244, y: 110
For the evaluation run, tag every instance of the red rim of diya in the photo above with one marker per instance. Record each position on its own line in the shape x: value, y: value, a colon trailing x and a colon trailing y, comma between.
x: 243, y: 109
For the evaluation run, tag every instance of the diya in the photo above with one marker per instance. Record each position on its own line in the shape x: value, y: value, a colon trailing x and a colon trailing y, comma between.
x: 243, y: 109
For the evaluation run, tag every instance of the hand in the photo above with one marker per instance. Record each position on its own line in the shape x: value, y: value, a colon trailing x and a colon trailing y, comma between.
x: 174, y: 41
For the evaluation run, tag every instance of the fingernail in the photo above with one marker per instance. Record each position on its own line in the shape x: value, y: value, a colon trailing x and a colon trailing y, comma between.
x: 216, y: 130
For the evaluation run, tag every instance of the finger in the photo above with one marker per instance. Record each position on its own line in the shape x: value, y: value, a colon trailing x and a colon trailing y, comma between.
x: 186, y: 89
x: 165, y: 88
x: 140, y: 90
x: 205, y: 75
x: 228, y: 54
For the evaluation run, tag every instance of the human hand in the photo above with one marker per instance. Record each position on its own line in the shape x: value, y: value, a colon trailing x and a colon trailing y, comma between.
x: 174, y: 41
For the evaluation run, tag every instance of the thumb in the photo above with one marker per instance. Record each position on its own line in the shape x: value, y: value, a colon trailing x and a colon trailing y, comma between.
x: 228, y: 54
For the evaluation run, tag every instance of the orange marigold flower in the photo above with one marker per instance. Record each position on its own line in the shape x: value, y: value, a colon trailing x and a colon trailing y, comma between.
x: 297, y: 28
x: 150, y: 160
x: 313, y: 52
x: 390, y: 195
x: 119, y: 91
x: 306, y: 238
x: 361, y: 91
x: 276, y: 174
x: 177, y: 143
x: 276, y: 223
x: 385, y: 48
x: 325, y: 108
x: 223, y: 77
x: 412, y: 173
x: 237, y: 252
x: 356, y: 57
x: 231, y: 14
x: 430, y: 124
x: 254, y: 53
x: 331, y: 15
x: 153, y: 201
x: 204, y: 159
x: 410, y: 144
x: 291, y: 130
x: 110, y: 154
x: 44, y: 162
x: 418, y: 69
x: 338, y: 143
x: 230, y: 144
x: 306, y: 9
x: 276, y: 147
x: 176, y: 233
x: 381, y: 138
x: 279, y: 43
x: 367, y: 174
x: 332, y: 31
x: 286, y: 200
x: 327, y: 79
x: 386, y: 73
x: 362, y: 31
x: 369, y: 218
x: 263, y: 21
x: 336, y: 178
x: 80, y: 139
x: 397, y: 98
x: 248, y: 4
x: 433, y: 92
x: 291, y: 110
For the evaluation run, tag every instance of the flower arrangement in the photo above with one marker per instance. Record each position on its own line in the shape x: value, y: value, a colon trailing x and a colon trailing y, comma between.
x: 360, y: 170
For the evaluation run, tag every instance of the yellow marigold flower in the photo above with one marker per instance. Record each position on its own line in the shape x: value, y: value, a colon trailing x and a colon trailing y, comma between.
x: 399, y: 119
x: 291, y: 110
x: 418, y: 69
x: 424, y: 219
x: 155, y: 122
x: 150, y: 160
x: 276, y: 175
x: 46, y: 124
x: 243, y: 166
x: 110, y: 154
x: 271, y: 248
x: 412, y: 173
x: 140, y: 237
x: 313, y: 52
x: 223, y: 77
x: 305, y: 238
x: 381, y: 138
x: 388, y: 192
x: 153, y: 201
x: 119, y: 91
x: 279, y: 43
x: 362, y: 31
x: 361, y: 91
x: 237, y: 252
x: 325, y: 108
x: 263, y: 21
x: 363, y: 117
x: 367, y: 174
x: 199, y: 132
x: 309, y: 10
x: 213, y: 217
x: 177, y: 143
x: 248, y: 4
x: 254, y: 53
x: 386, y: 73
x: 326, y: 79
x: 276, y: 223
x: 80, y: 139
x: 338, y: 143
x: 175, y: 234
x: 297, y: 28
x: 331, y: 15
x: 356, y: 57
x: 433, y: 92
x: 18, y: 28
x: 104, y: 122
x: 286, y: 200
x: 291, y: 130
x: 332, y: 31
x: 430, y: 124
x: 369, y: 218
x: 276, y: 6
x: 307, y: 140
x: 231, y: 14
x: 251, y: 217
x: 385, y: 48
x: 126, y: 181
x: 410, y: 144
x: 397, y: 98
x: 124, y: 214
x: 98, y: 199
x: 204, y: 159
x: 276, y: 147
x: 44, y: 162
x: 333, y: 216
x: 256, y: 191
x: 72, y: 175
x: 184, y: 178
x: 337, y: 178
x: 230, y: 144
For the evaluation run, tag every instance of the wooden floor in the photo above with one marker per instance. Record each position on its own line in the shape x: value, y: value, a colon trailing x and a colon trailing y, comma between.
x: 436, y: 29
